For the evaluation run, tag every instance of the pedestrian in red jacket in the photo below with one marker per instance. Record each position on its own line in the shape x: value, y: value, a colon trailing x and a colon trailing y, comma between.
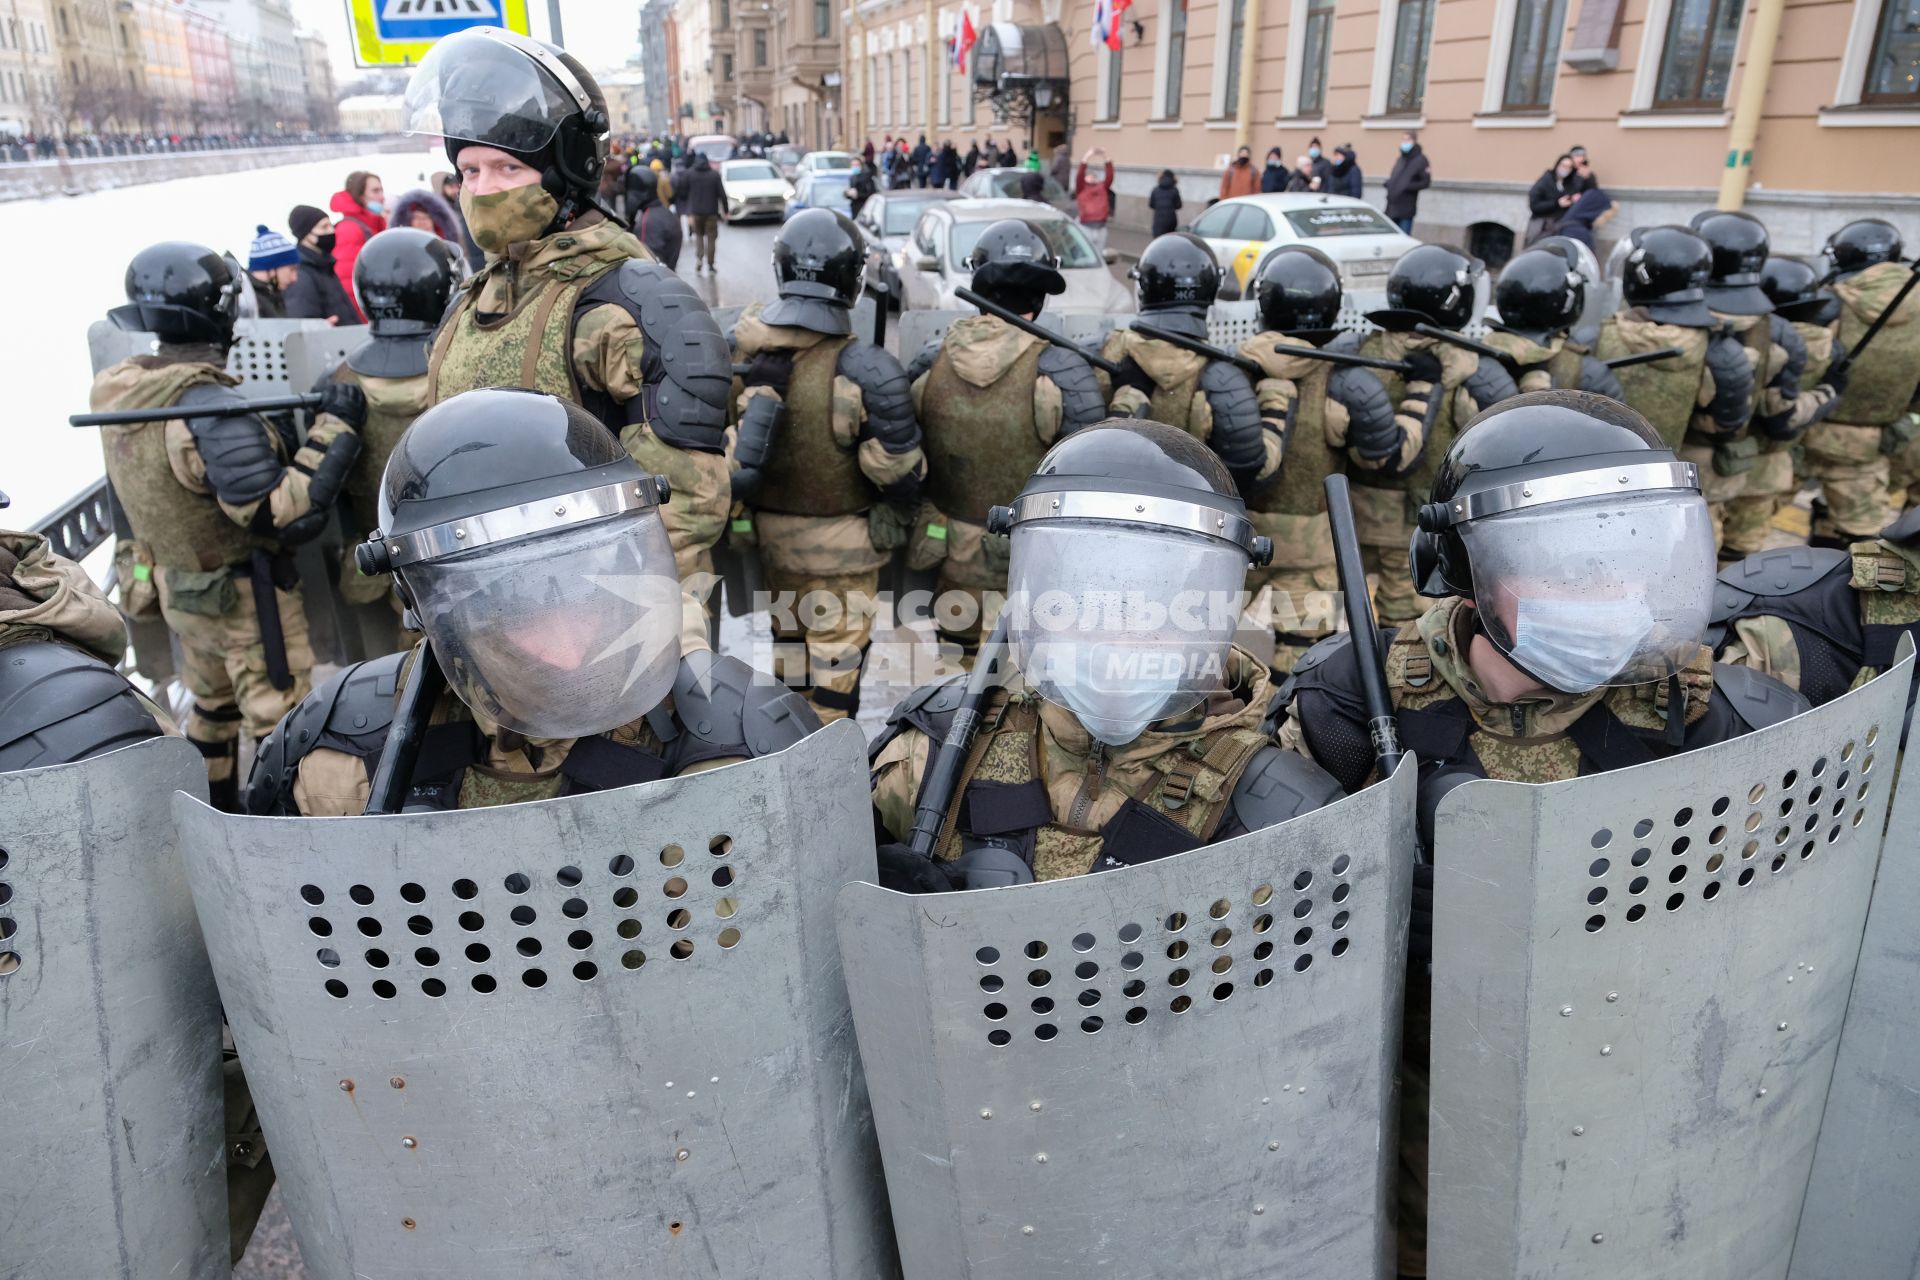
x: 1093, y: 197
x: 360, y: 211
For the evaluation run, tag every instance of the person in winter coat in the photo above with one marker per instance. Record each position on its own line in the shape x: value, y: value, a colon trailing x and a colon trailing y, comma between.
x: 362, y: 207
x: 1033, y: 185
x: 1303, y: 177
x: 448, y: 185
x: 1588, y: 210
x: 1032, y: 163
x: 1007, y: 157
x: 1164, y: 200
x: 653, y: 222
x: 1239, y: 178
x: 1551, y: 195
x: 1061, y: 168
x: 316, y: 294
x: 1411, y: 175
x: 1273, y: 175
x: 865, y: 182
x: 970, y: 161
x: 425, y: 211
x: 920, y: 157
x: 866, y: 152
x: 273, y: 264
x: 937, y: 167
x: 1343, y: 175
x: 950, y: 157
x: 1093, y: 197
x: 1321, y: 164
x: 700, y: 196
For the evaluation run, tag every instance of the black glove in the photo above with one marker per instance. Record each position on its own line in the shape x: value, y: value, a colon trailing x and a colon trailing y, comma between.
x: 1423, y: 366
x: 1420, y: 936
x: 345, y: 401
x: 1838, y: 374
x: 904, y: 871
x: 770, y: 369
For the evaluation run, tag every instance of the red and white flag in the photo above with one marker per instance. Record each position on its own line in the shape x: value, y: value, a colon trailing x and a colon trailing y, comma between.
x: 963, y: 41
x: 1106, y: 22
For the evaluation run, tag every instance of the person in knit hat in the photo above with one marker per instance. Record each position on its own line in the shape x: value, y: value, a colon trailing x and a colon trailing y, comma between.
x: 273, y: 264
x: 316, y: 294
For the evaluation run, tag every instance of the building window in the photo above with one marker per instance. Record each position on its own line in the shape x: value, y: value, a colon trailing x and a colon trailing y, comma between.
x: 906, y: 86
x: 1236, y: 37
x: 1313, y: 59
x: 726, y: 14
x: 65, y: 30
x: 760, y: 48
x: 1407, y: 77
x: 726, y: 67
x: 1536, y: 49
x: 1696, y: 60
x: 1893, y: 72
x: 946, y: 89
x: 1110, y: 101
x: 822, y: 19
x: 1176, y: 14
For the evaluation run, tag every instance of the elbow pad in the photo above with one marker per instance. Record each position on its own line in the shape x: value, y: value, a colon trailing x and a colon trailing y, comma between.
x: 242, y: 466
x: 1371, y: 430
x: 885, y: 392
x: 1732, y: 375
x: 1490, y: 383
x: 1600, y: 380
x: 760, y: 424
x: 1080, y: 401
x: 1238, y: 432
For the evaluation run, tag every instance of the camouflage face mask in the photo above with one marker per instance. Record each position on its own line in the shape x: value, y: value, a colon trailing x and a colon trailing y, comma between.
x: 502, y: 218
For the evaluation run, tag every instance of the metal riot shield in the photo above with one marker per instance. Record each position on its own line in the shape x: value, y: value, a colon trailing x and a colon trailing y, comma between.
x: 1181, y: 1068
x: 1639, y: 980
x: 109, y: 1027
x: 1860, y: 1220
x: 605, y: 1035
x: 149, y: 638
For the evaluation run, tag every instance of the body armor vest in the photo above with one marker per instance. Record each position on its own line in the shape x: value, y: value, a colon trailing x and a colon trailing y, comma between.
x: 810, y: 474
x: 530, y: 347
x: 392, y: 405
x: 1881, y: 385
x: 183, y: 529
x: 1560, y: 371
x: 1440, y: 433
x: 980, y: 442
x: 1308, y: 460
x: 1664, y: 392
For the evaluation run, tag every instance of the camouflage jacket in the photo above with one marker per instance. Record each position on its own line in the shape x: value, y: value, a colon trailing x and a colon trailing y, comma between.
x: 1886, y: 377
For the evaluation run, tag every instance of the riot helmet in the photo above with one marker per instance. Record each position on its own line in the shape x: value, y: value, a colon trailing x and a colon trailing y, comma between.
x: 1014, y: 266
x: 183, y: 292
x: 1431, y: 284
x: 819, y: 263
x: 523, y: 96
x: 1738, y: 243
x: 1539, y: 295
x: 531, y: 550
x: 403, y: 278
x: 1599, y: 298
x: 1584, y: 543
x: 1793, y: 286
x: 1298, y: 292
x: 1128, y: 570
x: 1665, y: 270
x: 1176, y: 272
x: 1862, y: 243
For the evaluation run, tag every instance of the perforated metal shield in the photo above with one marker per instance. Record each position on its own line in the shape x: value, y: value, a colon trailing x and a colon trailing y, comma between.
x: 258, y: 356
x: 1639, y: 980
x: 1860, y: 1220
x: 605, y: 1035
x: 109, y: 1027
x: 1178, y: 1068
x: 311, y: 354
x: 108, y: 344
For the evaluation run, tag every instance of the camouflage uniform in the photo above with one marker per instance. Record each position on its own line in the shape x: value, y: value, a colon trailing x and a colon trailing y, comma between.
x: 828, y: 512
x: 1848, y: 453
x: 394, y: 400
x: 991, y: 400
x: 196, y: 526
x: 1386, y: 501
x: 1546, y: 738
x: 1210, y: 400
x: 1785, y: 413
x: 1558, y: 364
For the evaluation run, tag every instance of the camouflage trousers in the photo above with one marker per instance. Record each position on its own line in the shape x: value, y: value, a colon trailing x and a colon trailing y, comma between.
x: 695, y: 516
x: 1303, y: 607
x: 1718, y: 490
x: 1380, y: 519
x: 822, y: 615
x: 971, y: 588
x: 1853, y: 476
x: 1747, y: 517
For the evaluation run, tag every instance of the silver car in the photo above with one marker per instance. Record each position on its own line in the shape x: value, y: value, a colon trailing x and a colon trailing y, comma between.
x: 933, y: 262
x: 886, y: 221
x: 1005, y: 184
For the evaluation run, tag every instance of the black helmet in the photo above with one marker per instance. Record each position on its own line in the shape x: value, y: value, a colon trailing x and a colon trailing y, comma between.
x: 534, y: 100
x: 1666, y: 271
x: 403, y: 278
x: 1431, y: 284
x: 1176, y: 270
x: 1793, y: 286
x: 1539, y: 294
x: 1298, y: 290
x: 1738, y: 242
x: 181, y: 291
x: 1861, y: 244
x: 819, y: 262
x: 1014, y: 266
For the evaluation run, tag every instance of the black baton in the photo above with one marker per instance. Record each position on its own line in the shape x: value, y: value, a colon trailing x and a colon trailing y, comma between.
x: 1019, y: 321
x: 273, y: 639
x: 1199, y: 348
x: 132, y: 417
x: 1366, y: 636
x: 943, y: 777
x: 1642, y: 357
x: 393, y: 776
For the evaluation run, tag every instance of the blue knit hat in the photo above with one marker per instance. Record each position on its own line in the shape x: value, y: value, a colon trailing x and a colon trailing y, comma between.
x: 271, y: 249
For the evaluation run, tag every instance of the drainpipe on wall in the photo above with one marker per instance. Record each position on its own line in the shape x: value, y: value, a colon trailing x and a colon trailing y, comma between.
x: 1753, y: 96
x: 933, y: 68
x: 1249, y: 38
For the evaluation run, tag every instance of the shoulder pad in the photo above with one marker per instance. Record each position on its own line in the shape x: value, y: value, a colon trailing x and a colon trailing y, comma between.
x: 1322, y: 651
x: 1080, y: 402
x: 1585, y: 335
x: 349, y: 713
x: 237, y: 448
x: 1364, y: 396
x: 885, y: 391
x: 725, y: 708
x: 1280, y: 785
x: 1237, y: 429
x: 1600, y: 380
x: 815, y: 315
x: 1782, y: 571
x: 685, y: 363
x: 1490, y: 383
x: 1755, y: 698
x: 929, y: 709
x: 1345, y: 340
x: 391, y: 357
x: 929, y: 352
x: 1904, y: 530
x: 1727, y: 361
x: 59, y: 704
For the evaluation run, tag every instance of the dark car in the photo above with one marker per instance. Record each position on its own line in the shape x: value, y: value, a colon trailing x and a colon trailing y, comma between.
x: 885, y: 223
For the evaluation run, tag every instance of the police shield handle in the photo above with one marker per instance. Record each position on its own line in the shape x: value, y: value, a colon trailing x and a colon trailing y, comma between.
x: 394, y: 774
x: 1018, y: 321
x: 1366, y: 638
x: 1199, y: 348
x: 1880, y: 321
x: 133, y: 417
x: 1642, y: 357
x: 944, y: 778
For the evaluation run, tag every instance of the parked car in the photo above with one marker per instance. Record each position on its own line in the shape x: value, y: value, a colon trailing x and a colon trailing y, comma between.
x: 1244, y: 230
x: 933, y: 262
x: 828, y: 161
x: 1004, y: 184
x: 754, y: 189
x: 714, y: 146
x: 786, y: 158
x: 886, y: 221
x: 821, y: 189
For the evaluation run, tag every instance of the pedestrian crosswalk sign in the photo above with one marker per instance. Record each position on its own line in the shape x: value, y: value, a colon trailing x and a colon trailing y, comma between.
x: 394, y: 33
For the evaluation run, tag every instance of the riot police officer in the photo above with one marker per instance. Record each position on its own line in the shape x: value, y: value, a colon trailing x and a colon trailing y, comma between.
x: 1175, y: 282
x: 827, y: 454
x: 214, y: 501
x: 1448, y: 386
x: 1541, y: 295
x: 569, y: 302
x: 1327, y: 419
x: 991, y: 400
x: 1118, y: 735
x: 534, y: 554
x: 1567, y: 641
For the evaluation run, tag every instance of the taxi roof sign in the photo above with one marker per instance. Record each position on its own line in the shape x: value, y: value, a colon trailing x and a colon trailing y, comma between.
x: 398, y: 33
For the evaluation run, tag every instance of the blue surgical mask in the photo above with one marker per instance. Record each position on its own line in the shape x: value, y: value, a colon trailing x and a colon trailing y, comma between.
x: 1576, y: 646
x: 1406, y: 147
x: 1314, y: 152
x: 376, y: 206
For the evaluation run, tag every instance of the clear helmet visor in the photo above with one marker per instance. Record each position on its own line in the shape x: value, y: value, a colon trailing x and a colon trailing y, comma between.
x: 1596, y: 591
x: 1122, y: 624
x: 564, y: 635
x: 481, y: 90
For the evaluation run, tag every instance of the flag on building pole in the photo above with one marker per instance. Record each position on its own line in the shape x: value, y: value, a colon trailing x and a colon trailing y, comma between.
x: 963, y: 42
x: 1106, y: 22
